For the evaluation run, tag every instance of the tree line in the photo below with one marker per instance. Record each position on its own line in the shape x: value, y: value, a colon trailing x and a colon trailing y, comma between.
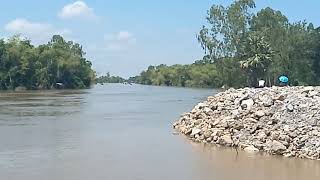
x: 242, y: 46
x: 194, y: 75
x: 57, y: 63
x: 110, y: 79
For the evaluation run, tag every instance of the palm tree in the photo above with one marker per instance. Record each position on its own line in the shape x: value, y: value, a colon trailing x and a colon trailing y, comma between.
x: 257, y: 58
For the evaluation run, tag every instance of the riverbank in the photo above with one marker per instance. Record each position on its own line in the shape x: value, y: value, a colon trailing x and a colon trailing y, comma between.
x: 277, y: 120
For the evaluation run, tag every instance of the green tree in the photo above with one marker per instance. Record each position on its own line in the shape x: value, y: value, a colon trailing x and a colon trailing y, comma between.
x: 241, y: 47
x: 257, y: 58
x: 227, y: 27
x: 42, y: 67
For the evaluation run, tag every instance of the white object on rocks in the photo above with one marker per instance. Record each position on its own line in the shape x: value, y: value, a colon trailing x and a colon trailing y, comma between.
x: 261, y: 83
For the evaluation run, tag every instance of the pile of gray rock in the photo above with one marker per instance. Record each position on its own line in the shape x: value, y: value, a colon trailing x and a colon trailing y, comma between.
x: 277, y: 120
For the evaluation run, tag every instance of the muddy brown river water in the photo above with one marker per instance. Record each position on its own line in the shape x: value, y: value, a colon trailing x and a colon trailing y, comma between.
x: 121, y: 132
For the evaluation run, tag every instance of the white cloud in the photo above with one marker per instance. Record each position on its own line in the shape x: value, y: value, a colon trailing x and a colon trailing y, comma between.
x: 122, y: 40
x: 78, y: 9
x: 124, y: 35
x: 38, y: 32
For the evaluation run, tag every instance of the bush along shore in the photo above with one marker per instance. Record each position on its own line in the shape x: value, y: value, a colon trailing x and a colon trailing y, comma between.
x: 277, y: 120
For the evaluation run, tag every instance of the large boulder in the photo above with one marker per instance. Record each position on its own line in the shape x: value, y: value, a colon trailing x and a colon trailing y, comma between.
x: 277, y: 147
x: 226, y: 140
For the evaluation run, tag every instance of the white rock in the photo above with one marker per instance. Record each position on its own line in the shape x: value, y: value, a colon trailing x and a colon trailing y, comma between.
x: 288, y: 155
x: 266, y: 100
x: 216, y: 132
x: 290, y: 107
x: 261, y: 135
x: 226, y: 139
x: 312, y: 93
x: 307, y: 89
x: 200, y: 105
x: 252, y: 120
x: 195, y: 131
x: 247, y: 104
x: 207, y: 110
x: 277, y: 146
x: 286, y: 128
x: 251, y: 149
x: 259, y: 114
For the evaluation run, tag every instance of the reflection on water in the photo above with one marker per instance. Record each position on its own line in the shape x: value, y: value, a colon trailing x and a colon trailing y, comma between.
x: 120, y: 132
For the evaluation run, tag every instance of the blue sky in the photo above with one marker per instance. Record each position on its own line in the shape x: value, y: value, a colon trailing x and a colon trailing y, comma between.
x: 124, y: 37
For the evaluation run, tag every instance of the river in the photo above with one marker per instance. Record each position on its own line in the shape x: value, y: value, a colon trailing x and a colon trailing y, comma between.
x: 121, y: 132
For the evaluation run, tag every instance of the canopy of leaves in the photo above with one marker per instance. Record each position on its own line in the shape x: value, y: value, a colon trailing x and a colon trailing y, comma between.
x: 44, y: 67
x: 242, y: 47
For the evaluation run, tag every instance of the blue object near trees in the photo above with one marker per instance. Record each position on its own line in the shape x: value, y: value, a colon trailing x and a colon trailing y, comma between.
x: 284, y: 79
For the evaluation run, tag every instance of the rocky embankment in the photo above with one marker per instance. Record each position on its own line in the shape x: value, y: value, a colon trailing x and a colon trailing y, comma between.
x: 277, y: 120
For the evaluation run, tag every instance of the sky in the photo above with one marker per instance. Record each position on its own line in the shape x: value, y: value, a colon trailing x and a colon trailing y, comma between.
x: 124, y: 37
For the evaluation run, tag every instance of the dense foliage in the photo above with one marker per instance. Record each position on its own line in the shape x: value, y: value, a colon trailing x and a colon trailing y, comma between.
x: 242, y: 47
x: 194, y: 75
x: 110, y: 79
x: 57, y: 63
